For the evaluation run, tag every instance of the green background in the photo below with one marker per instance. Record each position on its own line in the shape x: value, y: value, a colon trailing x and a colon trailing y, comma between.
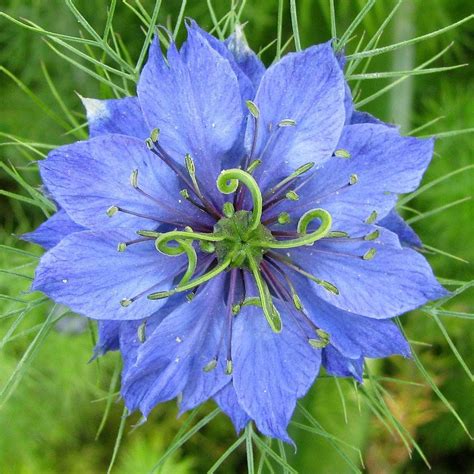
x: 49, y: 423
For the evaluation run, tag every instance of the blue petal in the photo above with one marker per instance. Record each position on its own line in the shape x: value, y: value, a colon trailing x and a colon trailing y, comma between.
x: 364, y: 117
x: 246, y: 59
x: 307, y: 87
x: 247, y: 87
x: 271, y: 371
x: 393, y: 222
x: 394, y: 281
x: 108, y: 337
x: 88, y: 177
x: 351, y: 334
x: 85, y: 272
x: 119, y: 116
x: 50, y: 232
x: 173, y: 357
x: 229, y: 404
x: 194, y: 99
x: 386, y: 164
x: 336, y: 364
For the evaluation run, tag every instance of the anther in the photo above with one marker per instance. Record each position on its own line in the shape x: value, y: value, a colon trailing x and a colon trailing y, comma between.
x: 298, y: 172
x: 284, y: 218
x: 112, y: 210
x: 190, y: 296
x: 206, y: 246
x: 353, y: 179
x: 369, y: 255
x: 229, y: 367
x: 322, y: 342
x: 337, y: 234
x: 210, y: 366
x: 184, y: 193
x: 134, y: 178
x: 255, y: 164
x: 236, y: 309
x: 287, y: 123
x: 122, y: 246
x: 148, y: 233
x: 124, y: 302
x: 154, y: 135
x: 341, y: 153
x: 373, y: 235
x: 159, y: 295
x: 372, y: 218
x: 228, y: 209
x: 292, y: 196
x: 141, y: 332
x: 297, y: 301
x: 253, y: 109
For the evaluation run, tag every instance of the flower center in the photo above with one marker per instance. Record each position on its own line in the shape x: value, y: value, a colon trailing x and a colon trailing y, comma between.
x: 240, y: 241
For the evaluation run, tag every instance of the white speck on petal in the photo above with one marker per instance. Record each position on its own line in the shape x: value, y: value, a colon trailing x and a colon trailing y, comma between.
x: 95, y: 109
x: 178, y: 339
x: 177, y: 359
x: 65, y: 280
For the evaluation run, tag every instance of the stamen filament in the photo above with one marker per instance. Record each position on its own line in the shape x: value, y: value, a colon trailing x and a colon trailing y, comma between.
x: 157, y: 149
x: 298, y: 172
x: 325, y: 284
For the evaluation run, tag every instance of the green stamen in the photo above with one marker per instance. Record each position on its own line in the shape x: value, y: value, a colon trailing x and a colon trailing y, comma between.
x: 253, y: 166
x: 284, y: 218
x: 370, y: 254
x: 287, y: 123
x: 342, y: 153
x: 228, y: 209
x: 372, y: 218
x: 292, y: 196
x: 253, y: 109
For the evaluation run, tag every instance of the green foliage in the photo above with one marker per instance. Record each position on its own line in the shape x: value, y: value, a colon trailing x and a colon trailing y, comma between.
x: 53, y: 404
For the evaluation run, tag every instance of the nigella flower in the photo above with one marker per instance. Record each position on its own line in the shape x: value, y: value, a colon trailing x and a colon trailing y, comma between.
x: 233, y: 228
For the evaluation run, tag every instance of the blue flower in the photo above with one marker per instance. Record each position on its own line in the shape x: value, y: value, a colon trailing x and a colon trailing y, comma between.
x: 232, y: 228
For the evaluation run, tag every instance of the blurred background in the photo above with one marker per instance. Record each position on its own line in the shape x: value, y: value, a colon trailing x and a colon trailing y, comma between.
x: 49, y: 423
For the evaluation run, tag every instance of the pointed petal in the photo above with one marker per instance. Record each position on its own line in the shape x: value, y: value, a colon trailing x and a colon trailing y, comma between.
x: 271, y: 371
x: 393, y: 222
x: 351, y: 334
x: 194, y: 99
x: 228, y: 402
x: 307, y: 87
x: 246, y: 59
x: 50, y: 232
x: 88, y: 177
x: 336, y: 364
x: 173, y: 357
x: 133, y: 334
x: 394, y: 281
x: 385, y: 163
x: 247, y: 88
x: 86, y: 273
x: 120, y: 116
x: 108, y: 337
